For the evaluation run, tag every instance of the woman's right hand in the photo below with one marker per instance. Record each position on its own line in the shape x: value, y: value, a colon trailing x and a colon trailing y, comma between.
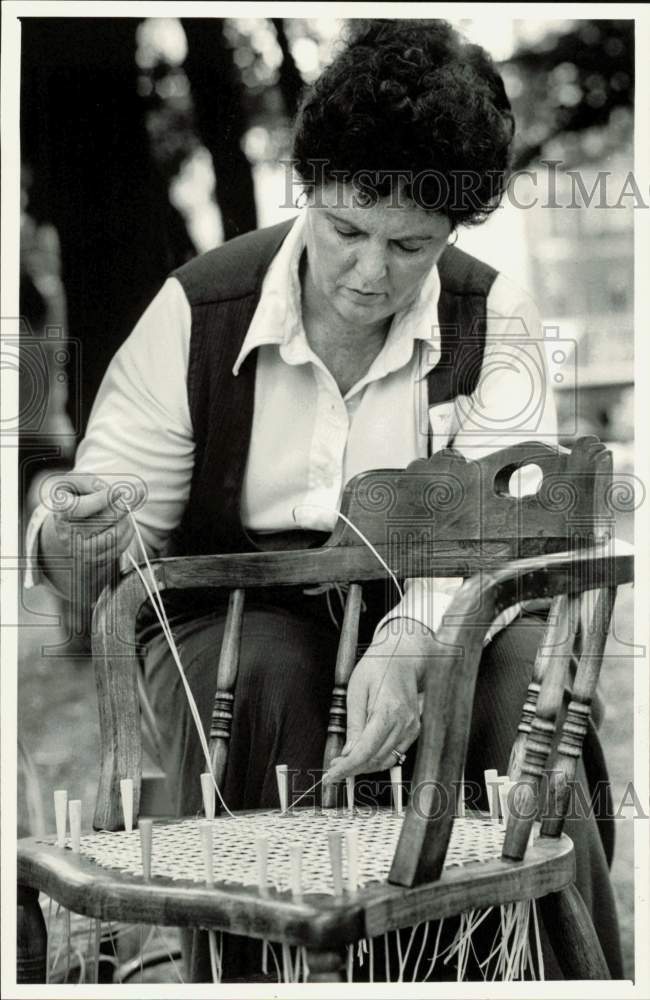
x: 88, y: 524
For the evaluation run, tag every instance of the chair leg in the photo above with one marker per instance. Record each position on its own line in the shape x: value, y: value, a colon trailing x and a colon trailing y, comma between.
x: 31, y: 946
x: 572, y: 935
x: 325, y: 966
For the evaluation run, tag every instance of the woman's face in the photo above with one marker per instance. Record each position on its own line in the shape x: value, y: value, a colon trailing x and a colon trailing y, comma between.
x: 368, y: 262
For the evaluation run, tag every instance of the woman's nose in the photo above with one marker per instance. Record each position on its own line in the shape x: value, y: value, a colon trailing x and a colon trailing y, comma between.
x: 371, y: 266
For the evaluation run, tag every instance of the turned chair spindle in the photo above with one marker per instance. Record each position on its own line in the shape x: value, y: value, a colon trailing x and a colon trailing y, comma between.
x: 222, y: 713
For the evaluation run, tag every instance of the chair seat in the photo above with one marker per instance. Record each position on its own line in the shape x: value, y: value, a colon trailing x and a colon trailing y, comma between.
x: 105, y: 879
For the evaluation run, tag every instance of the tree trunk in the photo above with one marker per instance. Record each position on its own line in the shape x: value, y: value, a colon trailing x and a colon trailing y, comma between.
x: 84, y: 134
x: 217, y: 94
x: 291, y: 82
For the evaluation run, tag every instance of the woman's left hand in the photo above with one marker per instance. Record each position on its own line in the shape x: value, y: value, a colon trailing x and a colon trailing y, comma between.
x: 382, y: 704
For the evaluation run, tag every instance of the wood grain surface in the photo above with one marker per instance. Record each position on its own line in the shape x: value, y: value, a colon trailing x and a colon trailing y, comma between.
x: 319, y: 921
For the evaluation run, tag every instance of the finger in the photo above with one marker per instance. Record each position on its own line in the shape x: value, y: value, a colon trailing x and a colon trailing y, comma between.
x: 104, y: 502
x: 105, y: 545
x: 374, y: 736
x: 401, y: 742
x: 79, y: 483
x: 61, y: 494
x: 79, y: 507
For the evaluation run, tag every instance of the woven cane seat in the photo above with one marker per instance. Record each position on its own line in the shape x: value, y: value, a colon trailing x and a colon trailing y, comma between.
x: 106, y: 880
x: 177, y: 853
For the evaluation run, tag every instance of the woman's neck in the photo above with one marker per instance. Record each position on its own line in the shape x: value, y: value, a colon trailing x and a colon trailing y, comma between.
x: 346, y: 349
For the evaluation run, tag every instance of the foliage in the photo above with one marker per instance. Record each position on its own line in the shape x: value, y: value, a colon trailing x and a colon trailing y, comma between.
x: 580, y: 80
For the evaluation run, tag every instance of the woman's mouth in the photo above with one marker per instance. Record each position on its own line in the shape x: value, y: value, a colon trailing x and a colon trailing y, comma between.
x: 367, y: 296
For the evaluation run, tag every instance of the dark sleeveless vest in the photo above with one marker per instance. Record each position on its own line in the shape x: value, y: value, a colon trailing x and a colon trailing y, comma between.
x: 223, y: 288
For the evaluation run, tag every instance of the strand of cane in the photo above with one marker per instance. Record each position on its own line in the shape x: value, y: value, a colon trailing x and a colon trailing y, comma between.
x: 400, y: 961
x: 48, y: 941
x: 366, y: 541
x: 357, y: 531
x: 58, y: 950
x: 434, y: 957
x: 404, y: 960
x: 425, y: 935
x: 278, y: 970
x: 538, y: 943
x: 161, y: 614
x: 215, y: 958
x: 158, y: 931
x: 154, y: 596
x: 495, y: 947
x: 68, y: 954
x: 95, y: 935
x: 66, y: 939
x: 387, y: 957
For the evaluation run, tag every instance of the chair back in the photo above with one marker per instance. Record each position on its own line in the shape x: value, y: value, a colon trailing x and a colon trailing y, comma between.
x: 444, y: 516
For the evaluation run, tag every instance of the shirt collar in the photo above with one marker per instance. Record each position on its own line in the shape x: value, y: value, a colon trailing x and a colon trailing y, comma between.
x: 278, y: 320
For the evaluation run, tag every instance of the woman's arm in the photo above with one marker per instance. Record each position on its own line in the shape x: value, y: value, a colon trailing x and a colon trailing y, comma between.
x: 139, y: 438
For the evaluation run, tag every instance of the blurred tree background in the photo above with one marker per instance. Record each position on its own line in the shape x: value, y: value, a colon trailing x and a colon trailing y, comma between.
x: 149, y: 140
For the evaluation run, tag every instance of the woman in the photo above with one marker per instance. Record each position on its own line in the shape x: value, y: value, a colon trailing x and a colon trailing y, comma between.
x: 271, y: 370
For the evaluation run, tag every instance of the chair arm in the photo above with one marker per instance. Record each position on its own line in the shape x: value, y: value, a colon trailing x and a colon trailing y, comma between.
x: 450, y: 684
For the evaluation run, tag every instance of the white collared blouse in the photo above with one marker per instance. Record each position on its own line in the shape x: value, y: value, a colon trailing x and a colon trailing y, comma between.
x: 307, y: 439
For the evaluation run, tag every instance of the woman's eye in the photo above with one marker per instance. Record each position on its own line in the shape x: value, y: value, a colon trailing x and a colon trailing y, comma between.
x: 345, y: 232
x: 408, y: 249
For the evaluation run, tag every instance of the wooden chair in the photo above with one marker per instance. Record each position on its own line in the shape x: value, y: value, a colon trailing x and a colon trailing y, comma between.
x: 439, y: 517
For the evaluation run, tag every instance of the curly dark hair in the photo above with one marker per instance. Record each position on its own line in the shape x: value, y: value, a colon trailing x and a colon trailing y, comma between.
x: 413, y: 101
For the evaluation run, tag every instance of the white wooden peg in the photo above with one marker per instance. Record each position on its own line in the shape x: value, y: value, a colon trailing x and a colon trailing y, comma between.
x: 461, y: 797
x: 282, y: 778
x: 262, y: 852
x: 61, y: 815
x: 491, y: 786
x: 145, y: 827
x: 295, y: 868
x: 352, y: 851
x: 505, y: 785
x: 335, y: 843
x: 396, y: 786
x: 126, y: 795
x: 207, y: 791
x: 349, y: 792
x: 74, y: 812
x: 206, y: 829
